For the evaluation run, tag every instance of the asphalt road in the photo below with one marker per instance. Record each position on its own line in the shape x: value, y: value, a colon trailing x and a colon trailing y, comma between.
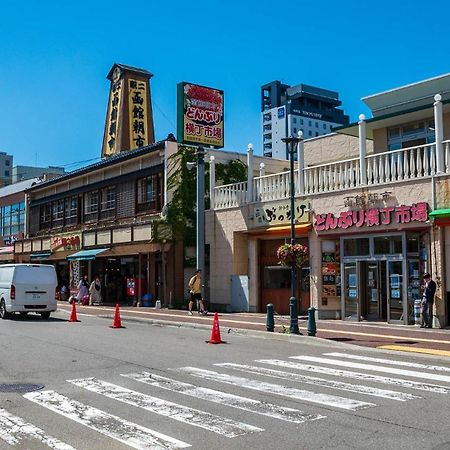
x: 153, y: 386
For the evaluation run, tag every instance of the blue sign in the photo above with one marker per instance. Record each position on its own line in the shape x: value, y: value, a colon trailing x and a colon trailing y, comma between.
x: 280, y: 113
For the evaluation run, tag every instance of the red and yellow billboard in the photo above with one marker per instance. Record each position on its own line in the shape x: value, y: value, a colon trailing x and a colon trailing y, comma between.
x: 200, y: 115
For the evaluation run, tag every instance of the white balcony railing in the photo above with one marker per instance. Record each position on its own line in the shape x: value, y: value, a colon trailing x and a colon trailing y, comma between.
x: 400, y: 165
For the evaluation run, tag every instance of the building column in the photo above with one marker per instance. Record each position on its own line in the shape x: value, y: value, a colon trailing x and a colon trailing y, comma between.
x: 249, y: 196
x: 362, y: 149
x: 253, y: 278
x: 300, y: 165
x: 439, y: 133
x: 212, y: 180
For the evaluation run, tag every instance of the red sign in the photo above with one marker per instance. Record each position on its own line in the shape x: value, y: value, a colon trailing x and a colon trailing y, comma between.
x: 65, y: 243
x: 417, y: 212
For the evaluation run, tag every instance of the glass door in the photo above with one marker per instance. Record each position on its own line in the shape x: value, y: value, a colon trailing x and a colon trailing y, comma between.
x: 351, y: 297
x: 395, y: 298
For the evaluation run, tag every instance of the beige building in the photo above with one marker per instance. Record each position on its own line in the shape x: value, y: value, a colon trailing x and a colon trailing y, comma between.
x: 371, y: 205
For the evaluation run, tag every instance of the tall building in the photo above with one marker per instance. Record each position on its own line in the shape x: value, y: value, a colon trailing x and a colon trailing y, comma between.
x: 21, y: 173
x: 285, y: 110
x: 6, y: 163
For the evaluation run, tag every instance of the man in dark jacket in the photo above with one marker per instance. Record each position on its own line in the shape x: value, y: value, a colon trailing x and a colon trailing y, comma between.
x: 429, y: 289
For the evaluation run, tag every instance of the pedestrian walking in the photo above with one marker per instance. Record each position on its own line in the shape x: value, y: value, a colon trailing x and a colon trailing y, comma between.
x: 195, y: 292
x: 95, y: 292
x: 83, y: 290
x: 429, y: 289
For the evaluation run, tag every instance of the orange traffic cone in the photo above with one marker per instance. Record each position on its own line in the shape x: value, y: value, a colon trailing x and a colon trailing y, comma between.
x: 73, y: 315
x: 215, y: 332
x: 117, y: 323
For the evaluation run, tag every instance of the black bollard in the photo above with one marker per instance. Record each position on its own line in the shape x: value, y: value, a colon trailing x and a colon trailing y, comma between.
x: 270, y: 323
x: 312, y: 321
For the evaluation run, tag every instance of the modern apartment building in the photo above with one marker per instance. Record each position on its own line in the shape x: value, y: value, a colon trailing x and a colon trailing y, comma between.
x: 6, y: 163
x: 285, y: 110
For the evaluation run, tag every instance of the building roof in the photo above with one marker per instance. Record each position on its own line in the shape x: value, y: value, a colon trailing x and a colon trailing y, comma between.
x: 18, y: 187
x: 410, y: 96
x: 105, y: 162
x: 142, y: 72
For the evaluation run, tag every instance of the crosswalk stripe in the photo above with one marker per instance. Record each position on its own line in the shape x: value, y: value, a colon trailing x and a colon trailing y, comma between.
x: 224, y: 398
x: 371, y: 367
x: 358, y: 376
x: 367, y: 390
x: 389, y: 361
x: 220, y: 425
x: 14, y: 428
x: 128, y: 433
x: 298, y: 394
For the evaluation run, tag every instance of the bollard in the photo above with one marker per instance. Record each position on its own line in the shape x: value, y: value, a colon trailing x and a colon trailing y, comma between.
x: 312, y: 321
x: 270, y: 323
x: 417, y: 311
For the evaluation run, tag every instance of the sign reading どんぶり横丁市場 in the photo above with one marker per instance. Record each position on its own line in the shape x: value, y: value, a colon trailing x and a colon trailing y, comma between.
x: 200, y: 115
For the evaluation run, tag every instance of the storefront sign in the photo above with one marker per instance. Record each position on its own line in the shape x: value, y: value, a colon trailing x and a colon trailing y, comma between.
x: 417, y: 212
x: 280, y: 213
x: 137, y: 107
x: 65, y: 242
x: 200, y: 115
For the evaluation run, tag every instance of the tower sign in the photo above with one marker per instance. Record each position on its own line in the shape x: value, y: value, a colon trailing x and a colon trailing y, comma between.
x: 129, y: 118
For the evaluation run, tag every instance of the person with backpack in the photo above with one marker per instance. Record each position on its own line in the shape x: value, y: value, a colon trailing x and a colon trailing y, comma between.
x: 195, y: 291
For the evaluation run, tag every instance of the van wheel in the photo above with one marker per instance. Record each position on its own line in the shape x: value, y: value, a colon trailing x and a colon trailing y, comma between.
x: 45, y: 315
x: 3, y: 313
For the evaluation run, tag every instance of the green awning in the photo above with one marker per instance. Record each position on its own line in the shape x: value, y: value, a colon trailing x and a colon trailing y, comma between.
x: 43, y: 255
x: 439, y: 213
x: 86, y: 254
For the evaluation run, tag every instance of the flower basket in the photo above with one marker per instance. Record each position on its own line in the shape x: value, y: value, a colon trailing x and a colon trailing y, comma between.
x: 295, y: 254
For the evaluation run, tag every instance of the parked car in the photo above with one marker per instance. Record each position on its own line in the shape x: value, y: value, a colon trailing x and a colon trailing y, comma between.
x: 27, y: 288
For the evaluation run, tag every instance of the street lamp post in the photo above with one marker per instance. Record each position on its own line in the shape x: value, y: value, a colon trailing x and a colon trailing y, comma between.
x: 200, y: 251
x: 292, y: 143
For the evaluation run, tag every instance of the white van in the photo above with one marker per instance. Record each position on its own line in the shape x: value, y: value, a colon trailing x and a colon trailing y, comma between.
x: 27, y: 288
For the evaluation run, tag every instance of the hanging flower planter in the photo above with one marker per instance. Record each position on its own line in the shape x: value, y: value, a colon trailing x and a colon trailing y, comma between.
x: 289, y: 254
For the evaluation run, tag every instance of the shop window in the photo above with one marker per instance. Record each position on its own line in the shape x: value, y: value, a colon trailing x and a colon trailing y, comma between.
x: 108, y: 198
x: 276, y: 277
x: 387, y: 245
x: 412, y: 243
x: 356, y: 247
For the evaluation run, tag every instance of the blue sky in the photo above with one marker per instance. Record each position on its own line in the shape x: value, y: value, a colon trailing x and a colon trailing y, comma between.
x: 55, y: 57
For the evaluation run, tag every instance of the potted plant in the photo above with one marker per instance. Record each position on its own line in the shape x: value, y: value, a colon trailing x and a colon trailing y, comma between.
x: 292, y: 254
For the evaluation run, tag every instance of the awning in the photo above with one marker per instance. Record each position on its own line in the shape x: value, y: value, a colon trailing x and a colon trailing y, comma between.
x: 439, y: 213
x: 40, y: 256
x: 281, y: 231
x: 86, y: 254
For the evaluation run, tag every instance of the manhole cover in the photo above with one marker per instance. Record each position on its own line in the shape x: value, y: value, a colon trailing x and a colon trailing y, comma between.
x: 20, y: 387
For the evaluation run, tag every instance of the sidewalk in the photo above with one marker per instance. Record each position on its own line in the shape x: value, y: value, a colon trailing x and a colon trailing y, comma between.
x: 369, y: 334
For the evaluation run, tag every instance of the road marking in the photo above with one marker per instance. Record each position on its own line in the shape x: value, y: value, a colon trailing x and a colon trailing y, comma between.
x: 358, y: 376
x: 367, y: 390
x: 128, y: 433
x: 298, y: 394
x: 427, y: 351
x: 390, y: 361
x: 371, y: 367
x: 224, y: 398
x: 220, y: 425
x: 14, y: 428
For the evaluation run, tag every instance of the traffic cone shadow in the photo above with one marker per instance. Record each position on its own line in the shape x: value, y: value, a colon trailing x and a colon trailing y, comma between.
x: 117, y: 323
x: 73, y: 315
x: 215, y: 332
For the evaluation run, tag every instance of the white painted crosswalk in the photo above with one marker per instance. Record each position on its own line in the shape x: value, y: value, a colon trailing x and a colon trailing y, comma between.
x: 311, y: 398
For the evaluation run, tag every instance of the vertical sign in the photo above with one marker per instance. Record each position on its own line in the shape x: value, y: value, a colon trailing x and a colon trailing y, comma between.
x: 200, y: 115
x: 113, y: 115
x: 137, y: 106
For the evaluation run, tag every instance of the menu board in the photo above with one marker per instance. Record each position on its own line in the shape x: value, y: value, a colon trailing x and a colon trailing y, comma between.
x: 331, y: 267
